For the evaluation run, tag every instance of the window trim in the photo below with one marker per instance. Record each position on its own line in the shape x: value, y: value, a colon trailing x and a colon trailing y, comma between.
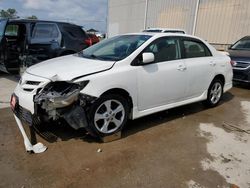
x: 182, y: 39
x: 135, y: 62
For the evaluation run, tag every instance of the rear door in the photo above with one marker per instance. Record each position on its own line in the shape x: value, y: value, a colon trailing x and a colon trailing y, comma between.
x: 45, y: 41
x: 3, y: 23
x: 200, y: 66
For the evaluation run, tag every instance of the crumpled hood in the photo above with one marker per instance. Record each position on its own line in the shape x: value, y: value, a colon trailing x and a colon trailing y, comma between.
x: 68, y: 67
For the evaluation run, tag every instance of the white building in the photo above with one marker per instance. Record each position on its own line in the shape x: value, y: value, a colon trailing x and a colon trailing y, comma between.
x: 220, y: 22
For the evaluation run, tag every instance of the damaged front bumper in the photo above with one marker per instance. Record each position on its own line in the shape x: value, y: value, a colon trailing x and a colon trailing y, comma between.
x: 55, y: 101
x: 38, y: 100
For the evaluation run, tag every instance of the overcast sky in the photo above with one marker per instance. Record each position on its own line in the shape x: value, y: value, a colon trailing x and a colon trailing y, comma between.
x: 88, y: 13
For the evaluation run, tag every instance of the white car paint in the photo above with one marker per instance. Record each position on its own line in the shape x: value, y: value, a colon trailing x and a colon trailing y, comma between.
x: 153, y: 87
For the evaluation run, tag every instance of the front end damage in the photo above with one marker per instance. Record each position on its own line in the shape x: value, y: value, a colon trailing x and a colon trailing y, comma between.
x: 53, y: 102
x: 63, y: 100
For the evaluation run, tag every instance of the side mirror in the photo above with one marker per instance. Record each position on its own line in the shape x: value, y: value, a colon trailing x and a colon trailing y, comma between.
x: 230, y: 46
x: 148, y: 57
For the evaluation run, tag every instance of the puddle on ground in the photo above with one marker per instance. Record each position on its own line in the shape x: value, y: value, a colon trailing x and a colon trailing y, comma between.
x: 230, y: 156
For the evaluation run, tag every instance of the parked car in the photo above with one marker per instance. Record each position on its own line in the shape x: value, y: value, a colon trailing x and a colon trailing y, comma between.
x: 164, y: 30
x: 125, y: 77
x: 240, y: 56
x: 94, y: 38
x: 31, y: 41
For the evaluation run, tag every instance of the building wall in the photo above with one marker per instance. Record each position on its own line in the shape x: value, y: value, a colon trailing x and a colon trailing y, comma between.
x: 125, y: 16
x: 220, y: 22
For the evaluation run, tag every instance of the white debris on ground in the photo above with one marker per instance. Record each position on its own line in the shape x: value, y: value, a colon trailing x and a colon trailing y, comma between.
x: 193, y: 184
x: 245, y: 105
x: 7, y: 86
x: 230, y: 151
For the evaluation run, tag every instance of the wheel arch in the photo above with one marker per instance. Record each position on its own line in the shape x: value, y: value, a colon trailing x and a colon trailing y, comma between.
x: 220, y: 77
x: 123, y: 93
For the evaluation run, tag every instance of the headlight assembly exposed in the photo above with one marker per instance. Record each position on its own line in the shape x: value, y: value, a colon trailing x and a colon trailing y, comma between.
x: 58, y: 95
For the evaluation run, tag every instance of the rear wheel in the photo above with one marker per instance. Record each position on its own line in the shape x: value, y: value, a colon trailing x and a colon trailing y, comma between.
x: 215, y: 93
x: 108, y: 115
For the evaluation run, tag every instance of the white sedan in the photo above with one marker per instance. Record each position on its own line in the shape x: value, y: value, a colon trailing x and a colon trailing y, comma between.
x: 121, y: 78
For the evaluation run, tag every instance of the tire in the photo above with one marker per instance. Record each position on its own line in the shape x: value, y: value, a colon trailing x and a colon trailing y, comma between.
x: 215, y: 93
x: 108, y: 115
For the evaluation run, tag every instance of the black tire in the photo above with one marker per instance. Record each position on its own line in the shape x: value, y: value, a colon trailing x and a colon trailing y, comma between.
x: 210, y: 101
x: 93, y: 127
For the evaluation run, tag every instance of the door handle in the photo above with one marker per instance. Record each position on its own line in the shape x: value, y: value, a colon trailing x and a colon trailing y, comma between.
x: 181, y: 68
x: 212, y: 63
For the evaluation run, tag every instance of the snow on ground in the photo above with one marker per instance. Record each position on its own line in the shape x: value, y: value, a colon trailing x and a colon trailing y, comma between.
x: 230, y: 151
x: 245, y: 105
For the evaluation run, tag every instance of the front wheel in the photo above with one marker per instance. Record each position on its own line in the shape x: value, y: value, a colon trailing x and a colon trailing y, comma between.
x: 215, y: 93
x: 108, y: 115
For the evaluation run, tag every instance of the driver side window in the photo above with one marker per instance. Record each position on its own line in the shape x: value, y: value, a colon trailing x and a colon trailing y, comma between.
x: 165, y: 49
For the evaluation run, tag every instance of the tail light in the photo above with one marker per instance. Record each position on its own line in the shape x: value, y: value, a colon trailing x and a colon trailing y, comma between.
x: 233, y: 63
x: 88, y: 41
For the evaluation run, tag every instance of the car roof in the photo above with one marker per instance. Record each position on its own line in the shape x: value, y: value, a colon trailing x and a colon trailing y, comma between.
x: 161, y: 28
x: 245, y: 37
x: 165, y: 29
x: 163, y: 34
x: 34, y: 21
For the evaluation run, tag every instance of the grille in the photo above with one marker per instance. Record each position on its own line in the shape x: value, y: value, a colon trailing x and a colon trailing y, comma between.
x: 29, y: 85
x: 25, y: 89
x: 32, y: 83
x: 242, y: 65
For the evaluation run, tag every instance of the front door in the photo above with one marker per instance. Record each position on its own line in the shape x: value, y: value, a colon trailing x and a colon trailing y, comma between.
x: 164, y: 81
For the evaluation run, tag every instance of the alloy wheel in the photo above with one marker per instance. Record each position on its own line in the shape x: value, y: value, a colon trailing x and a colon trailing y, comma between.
x: 109, y: 116
x: 215, y: 93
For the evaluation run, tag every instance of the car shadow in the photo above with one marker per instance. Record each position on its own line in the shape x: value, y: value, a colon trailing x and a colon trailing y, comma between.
x: 54, y: 132
x: 150, y: 121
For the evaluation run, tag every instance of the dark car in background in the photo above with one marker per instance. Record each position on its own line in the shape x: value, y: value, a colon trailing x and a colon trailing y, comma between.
x: 94, y: 38
x: 27, y: 42
x: 240, y: 56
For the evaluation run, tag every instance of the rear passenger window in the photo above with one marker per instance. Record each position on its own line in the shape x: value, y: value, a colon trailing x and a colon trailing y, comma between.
x: 45, y: 31
x: 195, y: 49
x: 75, y: 32
x: 165, y: 49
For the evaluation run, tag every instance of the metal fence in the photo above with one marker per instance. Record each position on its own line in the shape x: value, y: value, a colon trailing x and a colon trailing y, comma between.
x: 220, y: 22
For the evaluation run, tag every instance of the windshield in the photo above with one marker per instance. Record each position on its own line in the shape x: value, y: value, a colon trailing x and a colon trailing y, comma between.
x: 116, y: 48
x: 243, y: 44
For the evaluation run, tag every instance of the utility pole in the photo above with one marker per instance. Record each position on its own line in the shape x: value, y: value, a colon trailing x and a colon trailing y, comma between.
x: 146, y: 14
x: 107, y: 20
x: 195, y: 16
